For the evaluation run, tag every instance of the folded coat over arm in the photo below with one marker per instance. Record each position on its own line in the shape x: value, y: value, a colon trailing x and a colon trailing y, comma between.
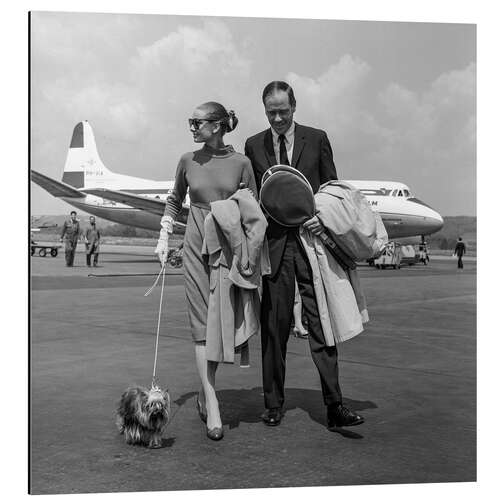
x: 238, y: 258
x: 339, y: 295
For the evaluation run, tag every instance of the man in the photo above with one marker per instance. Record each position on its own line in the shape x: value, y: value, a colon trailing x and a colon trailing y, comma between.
x: 70, y: 232
x: 460, y: 252
x: 92, y: 241
x: 308, y: 150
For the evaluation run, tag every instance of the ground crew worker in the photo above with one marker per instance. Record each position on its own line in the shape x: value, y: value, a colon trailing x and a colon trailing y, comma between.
x: 460, y: 252
x: 92, y: 241
x: 70, y: 233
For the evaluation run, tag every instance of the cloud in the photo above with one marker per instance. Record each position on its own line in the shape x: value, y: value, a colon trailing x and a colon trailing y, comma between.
x: 135, y: 88
x: 195, y: 51
x: 339, y: 85
x: 193, y: 64
x: 187, y: 67
x: 336, y: 101
x: 81, y: 47
x: 80, y: 70
x: 429, y: 135
x: 437, y: 123
x: 138, y: 78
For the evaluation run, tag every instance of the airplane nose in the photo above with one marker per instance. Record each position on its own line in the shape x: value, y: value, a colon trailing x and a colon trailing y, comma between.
x: 430, y: 220
x: 436, y: 222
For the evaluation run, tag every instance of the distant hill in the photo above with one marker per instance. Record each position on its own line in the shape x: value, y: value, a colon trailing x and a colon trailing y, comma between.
x: 52, y: 224
x: 58, y: 220
x: 462, y: 225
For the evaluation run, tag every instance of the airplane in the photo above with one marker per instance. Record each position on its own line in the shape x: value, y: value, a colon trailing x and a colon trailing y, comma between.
x: 91, y: 187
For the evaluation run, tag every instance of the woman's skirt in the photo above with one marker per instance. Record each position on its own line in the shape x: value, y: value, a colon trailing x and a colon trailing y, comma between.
x: 196, y: 273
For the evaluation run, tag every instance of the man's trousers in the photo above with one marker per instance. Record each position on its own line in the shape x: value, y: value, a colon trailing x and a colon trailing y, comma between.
x: 276, y: 317
x: 92, y: 250
x: 69, y: 251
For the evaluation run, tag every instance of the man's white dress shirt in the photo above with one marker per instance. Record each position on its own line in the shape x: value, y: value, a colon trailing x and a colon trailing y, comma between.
x: 289, y: 140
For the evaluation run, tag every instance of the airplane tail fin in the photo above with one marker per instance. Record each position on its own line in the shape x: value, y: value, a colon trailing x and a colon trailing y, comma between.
x: 83, y: 167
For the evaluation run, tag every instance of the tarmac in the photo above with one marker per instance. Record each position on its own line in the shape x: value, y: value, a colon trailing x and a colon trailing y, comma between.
x: 411, y: 374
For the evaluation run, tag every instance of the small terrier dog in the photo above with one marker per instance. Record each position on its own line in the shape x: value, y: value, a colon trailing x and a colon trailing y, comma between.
x: 142, y: 415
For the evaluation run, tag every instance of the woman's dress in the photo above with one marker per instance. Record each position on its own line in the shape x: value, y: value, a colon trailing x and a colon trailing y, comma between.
x: 210, y: 175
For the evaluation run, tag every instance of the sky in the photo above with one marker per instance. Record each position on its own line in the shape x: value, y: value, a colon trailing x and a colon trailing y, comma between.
x: 397, y: 100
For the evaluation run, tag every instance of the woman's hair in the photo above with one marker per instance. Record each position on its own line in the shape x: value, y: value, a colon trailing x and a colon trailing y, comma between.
x: 216, y: 111
x: 276, y: 86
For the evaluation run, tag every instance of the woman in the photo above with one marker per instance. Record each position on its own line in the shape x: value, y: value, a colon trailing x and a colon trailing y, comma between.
x: 211, y: 173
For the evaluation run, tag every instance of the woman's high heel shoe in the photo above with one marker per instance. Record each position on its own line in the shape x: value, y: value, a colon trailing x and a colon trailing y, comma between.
x: 201, y: 413
x: 215, y: 434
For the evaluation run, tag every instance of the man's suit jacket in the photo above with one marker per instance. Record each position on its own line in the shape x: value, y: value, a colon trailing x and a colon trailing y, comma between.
x: 312, y: 155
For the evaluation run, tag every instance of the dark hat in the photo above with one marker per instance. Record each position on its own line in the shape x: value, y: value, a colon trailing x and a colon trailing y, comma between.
x: 287, y: 196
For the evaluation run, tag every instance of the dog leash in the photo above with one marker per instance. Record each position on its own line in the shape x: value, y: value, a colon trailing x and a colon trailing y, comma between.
x: 156, y: 280
x: 154, y: 384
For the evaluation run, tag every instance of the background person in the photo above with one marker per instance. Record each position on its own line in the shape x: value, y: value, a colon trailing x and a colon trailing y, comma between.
x: 211, y: 173
x: 92, y: 241
x: 309, y: 151
x: 460, y: 252
x: 70, y: 234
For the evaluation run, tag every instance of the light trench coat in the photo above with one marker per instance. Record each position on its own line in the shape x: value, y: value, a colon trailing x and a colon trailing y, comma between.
x: 339, y: 295
x: 238, y: 257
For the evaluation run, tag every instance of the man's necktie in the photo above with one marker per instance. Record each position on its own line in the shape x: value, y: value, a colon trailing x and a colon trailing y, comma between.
x: 283, y: 155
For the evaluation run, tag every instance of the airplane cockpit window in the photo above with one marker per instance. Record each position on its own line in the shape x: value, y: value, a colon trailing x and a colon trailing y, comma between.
x: 407, y: 193
x: 400, y: 193
x: 374, y: 192
x: 394, y: 192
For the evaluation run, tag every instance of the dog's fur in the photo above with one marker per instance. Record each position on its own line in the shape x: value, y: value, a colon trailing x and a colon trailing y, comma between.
x: 142, y: 415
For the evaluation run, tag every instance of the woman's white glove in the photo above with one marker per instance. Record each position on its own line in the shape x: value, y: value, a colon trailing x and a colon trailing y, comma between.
x: 167, y: 227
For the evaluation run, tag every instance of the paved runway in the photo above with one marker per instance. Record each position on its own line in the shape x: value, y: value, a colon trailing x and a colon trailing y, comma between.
x: 412, y: 374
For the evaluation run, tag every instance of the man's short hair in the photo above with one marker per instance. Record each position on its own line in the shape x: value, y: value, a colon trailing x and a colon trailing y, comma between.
x: 72, y: 212
x: 276, y: 86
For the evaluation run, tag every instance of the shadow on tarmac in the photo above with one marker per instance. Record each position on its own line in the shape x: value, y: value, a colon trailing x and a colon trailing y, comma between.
x: 137, y: 261
x: 167, y: 442
x: 246, y: 405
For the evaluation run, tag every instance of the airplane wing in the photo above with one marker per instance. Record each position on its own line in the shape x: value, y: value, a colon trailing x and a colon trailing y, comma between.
x: 152, y: 205
x: 55, y: 188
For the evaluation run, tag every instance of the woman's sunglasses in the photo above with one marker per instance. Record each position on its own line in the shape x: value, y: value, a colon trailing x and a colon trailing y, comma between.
x: 197, y: 122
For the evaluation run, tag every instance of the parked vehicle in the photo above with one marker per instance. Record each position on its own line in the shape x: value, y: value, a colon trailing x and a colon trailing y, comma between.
x: 44, y: 248
x: 390, y: 257
x: 409, y: 256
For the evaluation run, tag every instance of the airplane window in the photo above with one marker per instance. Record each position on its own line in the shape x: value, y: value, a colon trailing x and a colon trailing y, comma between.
x: 400, y: 193
x: 407, y: 193
x: 394, y: 193
x: 373, y: 192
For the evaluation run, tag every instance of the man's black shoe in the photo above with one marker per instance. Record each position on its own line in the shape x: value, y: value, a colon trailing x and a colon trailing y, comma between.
x: 340, y: 416
x: 272, y: 416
